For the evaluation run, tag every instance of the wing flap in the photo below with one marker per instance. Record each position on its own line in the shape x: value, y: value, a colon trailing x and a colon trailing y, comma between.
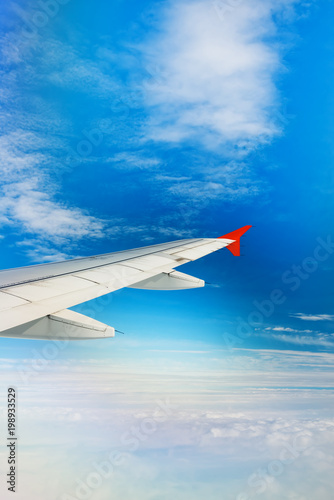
x: 64, y: 325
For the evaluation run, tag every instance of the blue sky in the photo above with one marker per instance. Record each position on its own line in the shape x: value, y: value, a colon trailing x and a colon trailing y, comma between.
x: 131, y: 123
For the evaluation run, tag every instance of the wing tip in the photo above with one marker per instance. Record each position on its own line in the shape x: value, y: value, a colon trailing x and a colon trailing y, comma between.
x: 234, y: 247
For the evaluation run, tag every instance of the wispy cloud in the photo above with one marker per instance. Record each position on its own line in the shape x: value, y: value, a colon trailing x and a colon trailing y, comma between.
x: 40, y: 252
x: 281, y: 329
x: 229, y: 182
x: 178, y: 351
x: 29, y: 197
x: 313, y: 317
x: 34, y: 147
x: 294, y: 336
x: 320, y: 341
x: 25, y: 203
x: 129, y: 161
x: 286, y: 329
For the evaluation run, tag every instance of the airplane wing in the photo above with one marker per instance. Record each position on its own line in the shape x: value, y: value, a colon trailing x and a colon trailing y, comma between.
x: 34, y: 300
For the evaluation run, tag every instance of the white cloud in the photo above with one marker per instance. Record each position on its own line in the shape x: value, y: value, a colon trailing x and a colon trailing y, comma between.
x: 317, y: 339
x: 213, y: 79
x: 286, y: 329
x: 211, y: 441
x: 226, y: 182
x: 25, y: 203
x: 313, y: 317
x: 127, y: 161
x: 31, y: 168
x: 322, y: 341
x: 35, y: 145
x: 178, y: 351
x: 229, y: 182
x: 288, y: 364
x: 281, y: 329
x: 29, y: 198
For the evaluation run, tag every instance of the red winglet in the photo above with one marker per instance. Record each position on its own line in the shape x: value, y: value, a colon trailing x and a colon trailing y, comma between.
x: 235, y: 235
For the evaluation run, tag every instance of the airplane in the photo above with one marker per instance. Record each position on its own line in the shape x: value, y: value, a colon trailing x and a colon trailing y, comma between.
x: 34, y: 300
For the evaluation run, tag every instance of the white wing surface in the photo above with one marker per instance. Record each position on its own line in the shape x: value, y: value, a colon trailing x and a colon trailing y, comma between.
x: 34, y: 300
